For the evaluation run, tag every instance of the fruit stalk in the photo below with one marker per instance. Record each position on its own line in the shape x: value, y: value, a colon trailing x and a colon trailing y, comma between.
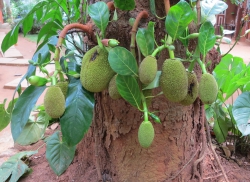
x: 145, y: 108
x: 159, y: 49
x: 142, y: 14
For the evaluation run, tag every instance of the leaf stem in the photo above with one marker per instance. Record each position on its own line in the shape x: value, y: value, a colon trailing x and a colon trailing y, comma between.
x: 142, y: 14
x: 145, y: 108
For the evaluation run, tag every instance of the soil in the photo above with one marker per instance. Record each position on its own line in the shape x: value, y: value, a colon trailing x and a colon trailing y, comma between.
x: 237, y: 167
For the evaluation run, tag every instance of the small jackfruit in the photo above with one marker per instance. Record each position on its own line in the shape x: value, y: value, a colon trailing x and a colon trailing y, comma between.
x: 148, y: 70
x: 54, y: 102
x: 113, y: 91
x: 193, y: 86
x: 96, y: 72
x: 173, y: 80
x: 146, y: 134
x: 64, y: 87
x: 208, y: 88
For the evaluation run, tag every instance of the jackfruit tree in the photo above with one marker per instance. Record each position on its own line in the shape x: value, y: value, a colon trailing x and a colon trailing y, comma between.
x: 133, y: 109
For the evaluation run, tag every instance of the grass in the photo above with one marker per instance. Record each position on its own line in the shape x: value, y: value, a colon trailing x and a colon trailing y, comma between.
x: 31, y: 37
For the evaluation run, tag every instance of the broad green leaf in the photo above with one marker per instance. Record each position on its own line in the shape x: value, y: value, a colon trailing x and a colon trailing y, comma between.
x: 34, y: 129
x: 212, y: 7
x: 22, y: 109
x: 129, y: 89
x: 78, y: 114
x: 145, y: 39
x: 125, y: 4
x: 99, y: 13
x: 155, y: 82
x: 122, y: 61
x: 15, y: 167
x: 58, y: 154
x: 4, y: 116
x: 49, y: 28
x: 220, y: 129
x: 241, y: 113
x: 27, y: 24
x: 178, y: 18
x: 207, y: 38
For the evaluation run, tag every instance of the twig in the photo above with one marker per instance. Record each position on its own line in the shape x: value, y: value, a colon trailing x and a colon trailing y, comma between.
x: 183, y: 167
x: 215, y: 155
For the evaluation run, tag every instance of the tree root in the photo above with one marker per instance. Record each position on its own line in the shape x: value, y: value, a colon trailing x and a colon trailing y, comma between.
x: 214, y: 153
x: 173, y: 177
x: 202, y: 153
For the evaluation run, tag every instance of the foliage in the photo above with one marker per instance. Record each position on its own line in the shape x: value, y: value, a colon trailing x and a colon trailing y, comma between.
x: 78, y: 115
x: 232, y: 76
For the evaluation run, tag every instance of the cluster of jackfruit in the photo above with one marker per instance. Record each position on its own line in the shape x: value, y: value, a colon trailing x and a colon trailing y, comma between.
x: 179, y: 85
x: 96, y: 72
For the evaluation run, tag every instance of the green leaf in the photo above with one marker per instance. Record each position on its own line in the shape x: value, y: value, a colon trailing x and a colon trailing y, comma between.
x: 241, y: 113
x: 4, y: 116
x: 178, y: 18
x: 220, y: 129
x: 125, y: 4
x: 22, y: 109
x: 155, y: 82
x: 99, y: 13
x: 145, y: 39
x: 78, y: 114
x: 129, y: 89
x: 207, y: 38
x: 58, y: 154
x: 34, y: 129
x: 152, y: 7
x: 27, y: 24
x: 15, y: 167
x: 122, y: 61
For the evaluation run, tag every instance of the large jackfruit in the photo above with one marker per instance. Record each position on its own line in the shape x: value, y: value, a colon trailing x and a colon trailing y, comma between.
x: 54, y: 102
x: 113, y: 91
x: 208, y: 88
x: 193, y: 86
x: 148, y: 70
x: 63, y: 85
x: 96, y: 71
x: 173, y: 80
x: 146, y: 134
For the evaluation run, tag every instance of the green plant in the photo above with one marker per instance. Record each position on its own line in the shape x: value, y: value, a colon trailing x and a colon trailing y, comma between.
x: 78, y: 114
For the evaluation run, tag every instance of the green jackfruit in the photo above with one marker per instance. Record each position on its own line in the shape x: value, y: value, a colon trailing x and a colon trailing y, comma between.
x: 113, y: 91
x: 64, y: 87
x: 54, y: 102
x: 193, y: 86
x: 208, y: 88
x: 173, y: 80
x: 148, y: 70
x: 96, y: 72
x: 146, y: 134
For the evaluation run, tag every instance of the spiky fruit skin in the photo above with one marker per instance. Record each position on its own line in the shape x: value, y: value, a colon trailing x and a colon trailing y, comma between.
x: 64, y: 87
x: 113, y: 91
x: 193, y: 86
x: 148, y: 70
x: 173, y: 80
x: 96, y: 72
x: 146, y: 134
x: 54, y: 102
x: 208, y: 88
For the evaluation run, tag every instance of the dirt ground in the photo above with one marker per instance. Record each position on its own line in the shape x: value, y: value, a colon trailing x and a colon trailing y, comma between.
x: 237, y: 168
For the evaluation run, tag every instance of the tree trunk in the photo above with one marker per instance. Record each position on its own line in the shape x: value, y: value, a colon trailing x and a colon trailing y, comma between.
x: 110, y: 150
x: 112, y: 142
